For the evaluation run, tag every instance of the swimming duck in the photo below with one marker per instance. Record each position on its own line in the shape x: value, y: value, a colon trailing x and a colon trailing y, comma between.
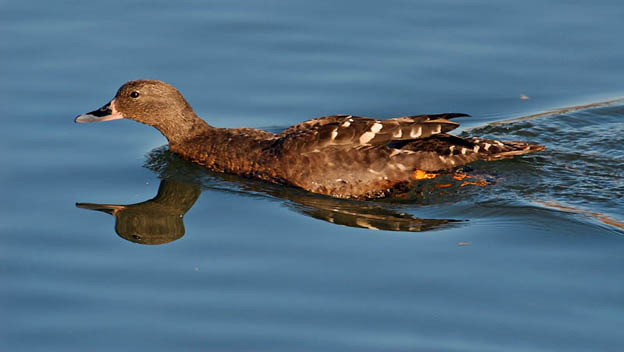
x: 342, y: 156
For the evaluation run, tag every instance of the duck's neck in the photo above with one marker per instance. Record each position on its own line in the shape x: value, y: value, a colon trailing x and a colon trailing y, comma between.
x: 186, y: 127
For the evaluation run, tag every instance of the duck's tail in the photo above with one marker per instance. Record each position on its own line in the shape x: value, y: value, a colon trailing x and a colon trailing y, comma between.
x: 445, y: 151
x: 490, y: 149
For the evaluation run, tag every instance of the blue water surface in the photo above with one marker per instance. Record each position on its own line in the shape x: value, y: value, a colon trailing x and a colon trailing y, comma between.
x: 531, y: 262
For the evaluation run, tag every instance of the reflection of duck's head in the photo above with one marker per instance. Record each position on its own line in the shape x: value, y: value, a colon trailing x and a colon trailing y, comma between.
x: 153, y: 103
x: 156, y: 221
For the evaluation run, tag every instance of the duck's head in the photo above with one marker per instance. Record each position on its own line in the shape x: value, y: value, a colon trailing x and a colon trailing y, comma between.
x: 150, y: 102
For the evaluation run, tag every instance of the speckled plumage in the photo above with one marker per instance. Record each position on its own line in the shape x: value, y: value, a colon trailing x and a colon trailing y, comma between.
x: 340, y: 155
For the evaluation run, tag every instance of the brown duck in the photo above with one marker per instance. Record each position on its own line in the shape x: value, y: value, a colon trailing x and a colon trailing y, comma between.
x: 342, y: 156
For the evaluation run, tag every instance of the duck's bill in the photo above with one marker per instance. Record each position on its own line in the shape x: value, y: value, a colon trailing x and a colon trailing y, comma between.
x: 105, y: 113
x: 107, y: 208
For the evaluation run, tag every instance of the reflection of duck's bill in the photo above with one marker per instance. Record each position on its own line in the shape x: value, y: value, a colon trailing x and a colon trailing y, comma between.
x: 106, y: 208
x: 107, y: 112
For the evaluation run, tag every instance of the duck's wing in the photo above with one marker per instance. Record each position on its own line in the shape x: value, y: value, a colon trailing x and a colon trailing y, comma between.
x: 318, y: 122
x: 355, y: 131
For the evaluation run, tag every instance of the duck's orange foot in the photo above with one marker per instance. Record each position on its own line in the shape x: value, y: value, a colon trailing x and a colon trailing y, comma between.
x: 481, y: 183
x: 423, y: 175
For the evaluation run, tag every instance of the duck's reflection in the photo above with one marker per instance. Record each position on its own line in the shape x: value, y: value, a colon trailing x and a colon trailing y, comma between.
x: 155, y: 221
x: 160, y: 219
x: 357, y: 214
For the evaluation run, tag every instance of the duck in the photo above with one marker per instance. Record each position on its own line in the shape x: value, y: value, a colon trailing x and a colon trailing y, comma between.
x: 342, y: 156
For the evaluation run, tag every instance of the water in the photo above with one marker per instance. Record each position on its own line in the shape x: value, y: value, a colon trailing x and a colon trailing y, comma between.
x: 530, y: 262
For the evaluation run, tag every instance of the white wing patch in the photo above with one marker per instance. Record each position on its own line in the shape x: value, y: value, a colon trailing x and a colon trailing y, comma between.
x: 376, y: 127
x: 366, y: 137
x: 416, y: 133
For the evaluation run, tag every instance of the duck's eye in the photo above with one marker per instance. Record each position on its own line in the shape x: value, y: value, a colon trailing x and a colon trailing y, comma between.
x: 134, y: 94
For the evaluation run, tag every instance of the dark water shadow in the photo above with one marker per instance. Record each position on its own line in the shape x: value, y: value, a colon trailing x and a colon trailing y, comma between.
x: 160, y: 220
